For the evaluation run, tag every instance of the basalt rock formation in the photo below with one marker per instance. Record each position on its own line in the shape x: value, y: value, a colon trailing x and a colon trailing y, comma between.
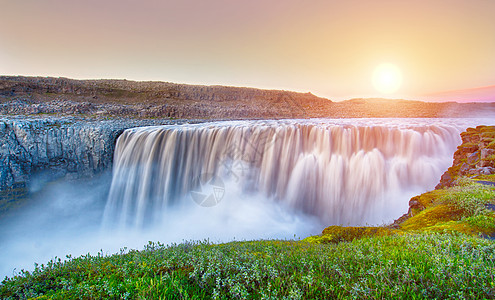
x: 474, y: 157
x: 70, y: 147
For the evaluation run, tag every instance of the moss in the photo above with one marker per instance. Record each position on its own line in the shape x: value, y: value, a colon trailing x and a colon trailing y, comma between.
x: 469, y: 145
x: 490, y: 177
x: 430, y: 217
x: 488, y: 137
x: 428, y: 199
x: 336, y: 234
x: 452, y: 227
x: 487, y: 130
x: 456, y: 209
x: 476, y: 225
x: 454, y: 170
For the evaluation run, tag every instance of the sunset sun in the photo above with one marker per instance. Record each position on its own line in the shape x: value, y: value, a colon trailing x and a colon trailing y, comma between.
x: 387, y: 78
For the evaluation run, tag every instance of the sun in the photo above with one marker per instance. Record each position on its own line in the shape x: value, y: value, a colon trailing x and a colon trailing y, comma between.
x: 387, y: 78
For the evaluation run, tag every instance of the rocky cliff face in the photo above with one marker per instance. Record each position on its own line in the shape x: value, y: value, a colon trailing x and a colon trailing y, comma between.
x: 60, y: 146
x: 474, y: 157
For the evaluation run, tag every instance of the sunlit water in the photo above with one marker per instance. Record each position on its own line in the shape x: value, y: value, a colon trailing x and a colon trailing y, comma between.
x: 235, y: 180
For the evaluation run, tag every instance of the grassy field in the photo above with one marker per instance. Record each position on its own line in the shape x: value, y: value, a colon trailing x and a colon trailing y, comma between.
x: 411, y: 266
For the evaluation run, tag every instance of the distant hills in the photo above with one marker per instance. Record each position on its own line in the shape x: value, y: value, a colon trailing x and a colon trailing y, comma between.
x: 124, y: 98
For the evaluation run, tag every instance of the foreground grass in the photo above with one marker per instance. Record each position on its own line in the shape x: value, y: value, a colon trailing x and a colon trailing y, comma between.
x: 400, y: 267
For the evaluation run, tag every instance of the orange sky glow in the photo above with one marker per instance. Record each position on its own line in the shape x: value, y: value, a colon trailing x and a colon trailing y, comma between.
x: 329, y: 48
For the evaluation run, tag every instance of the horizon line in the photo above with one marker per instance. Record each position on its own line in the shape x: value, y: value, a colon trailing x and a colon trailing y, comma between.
x: 332, y: 99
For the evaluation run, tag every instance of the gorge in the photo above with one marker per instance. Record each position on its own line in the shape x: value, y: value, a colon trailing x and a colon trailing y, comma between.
x: 218, y: 180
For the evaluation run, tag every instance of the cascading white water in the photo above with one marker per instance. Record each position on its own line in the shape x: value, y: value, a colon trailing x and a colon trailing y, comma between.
x: 350, y: 172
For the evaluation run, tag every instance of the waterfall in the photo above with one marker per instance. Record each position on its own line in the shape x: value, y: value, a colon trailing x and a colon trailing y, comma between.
x: 349, y: 172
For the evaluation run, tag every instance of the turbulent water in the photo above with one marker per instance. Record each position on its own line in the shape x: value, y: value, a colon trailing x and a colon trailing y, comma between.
x: 341, y: 172
x: 233, y: 180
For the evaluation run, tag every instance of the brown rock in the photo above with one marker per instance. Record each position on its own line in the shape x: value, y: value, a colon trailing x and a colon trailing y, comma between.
x: 473, y: 158
x: 481, y: 171
x: 486, y: 153
x: 464, y: 168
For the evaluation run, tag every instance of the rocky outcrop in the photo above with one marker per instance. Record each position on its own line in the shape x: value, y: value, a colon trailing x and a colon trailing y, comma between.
x: 474, y: 157
x: 60, y: 146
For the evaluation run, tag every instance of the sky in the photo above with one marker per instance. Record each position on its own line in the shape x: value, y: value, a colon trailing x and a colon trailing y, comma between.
x: 329, y: 48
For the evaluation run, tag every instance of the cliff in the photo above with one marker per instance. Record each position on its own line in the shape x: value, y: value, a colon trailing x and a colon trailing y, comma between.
x: 71, y: 147
x: 475, y: 157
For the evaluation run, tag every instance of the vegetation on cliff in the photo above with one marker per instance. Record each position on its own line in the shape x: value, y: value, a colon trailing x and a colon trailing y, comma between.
x: 462, y: 209
x: 464, y: 199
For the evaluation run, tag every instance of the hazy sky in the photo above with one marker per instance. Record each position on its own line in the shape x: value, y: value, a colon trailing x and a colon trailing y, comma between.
x: 330, y: 48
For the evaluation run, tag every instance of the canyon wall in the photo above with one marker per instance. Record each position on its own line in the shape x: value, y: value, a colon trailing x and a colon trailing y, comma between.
x: 70, y: 147
x: 474, y: 157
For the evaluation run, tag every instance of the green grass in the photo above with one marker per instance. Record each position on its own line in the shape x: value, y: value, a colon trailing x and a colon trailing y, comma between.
x: 387, y: 267
x: 337, y: 234
x: 470, y: 197
x: 460, y: 208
